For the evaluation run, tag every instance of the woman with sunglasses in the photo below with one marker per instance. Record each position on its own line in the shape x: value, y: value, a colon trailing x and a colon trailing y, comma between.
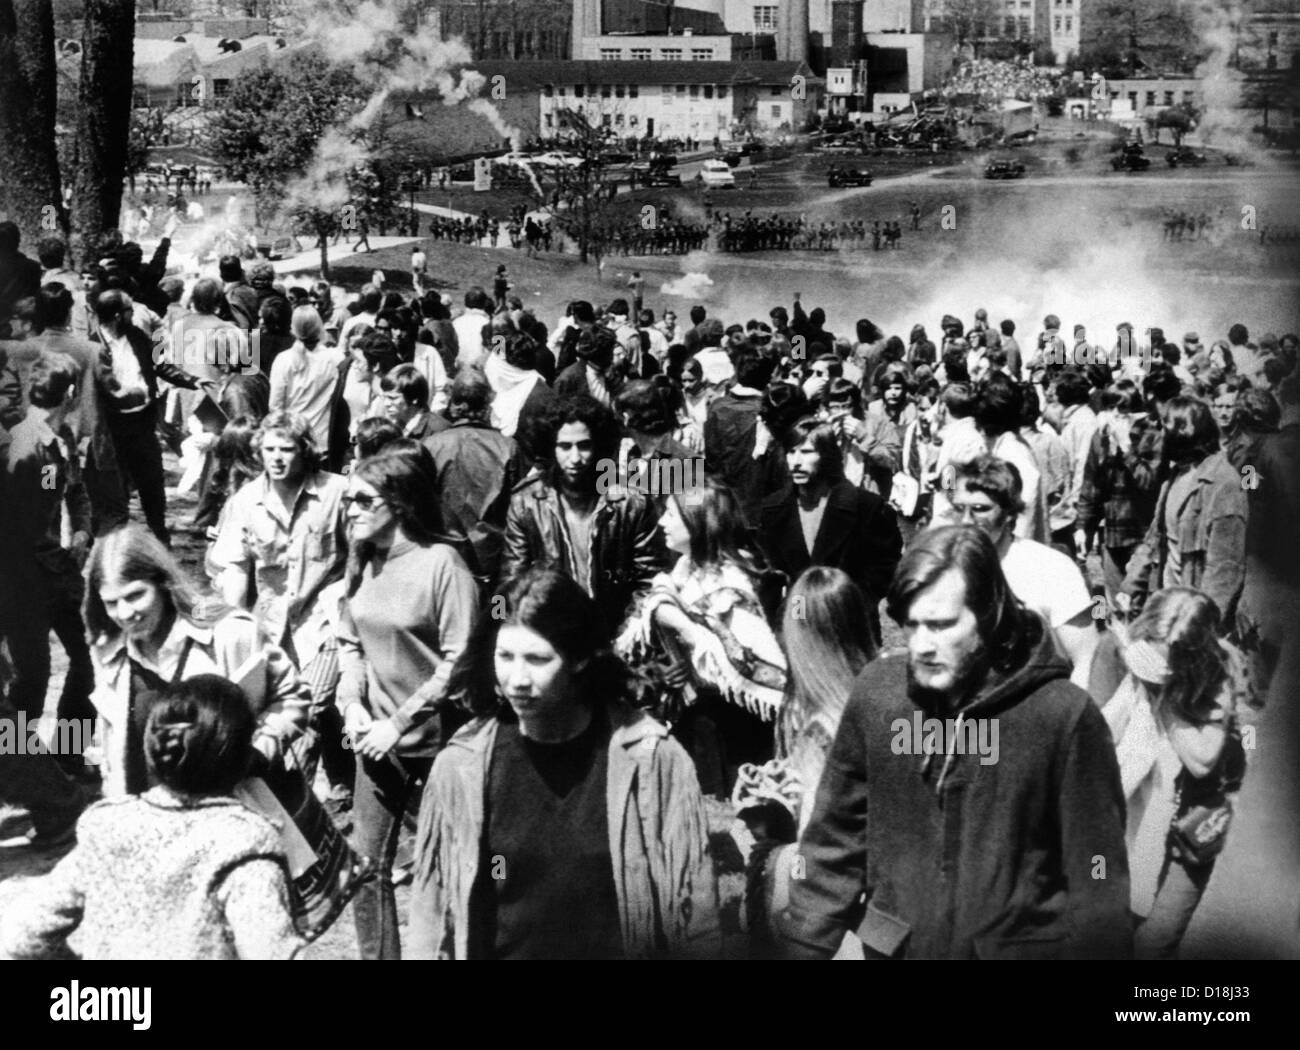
x: 411, y: 602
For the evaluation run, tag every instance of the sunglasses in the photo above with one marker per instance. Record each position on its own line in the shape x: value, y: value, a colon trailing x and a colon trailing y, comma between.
x: 363, y: 500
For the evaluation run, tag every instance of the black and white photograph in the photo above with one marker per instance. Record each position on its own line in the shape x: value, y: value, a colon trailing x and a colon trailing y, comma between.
x: 675, y: 480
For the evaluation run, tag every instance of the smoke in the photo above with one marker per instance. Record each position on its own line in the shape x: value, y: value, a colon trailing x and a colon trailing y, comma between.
x: 691, y: 285
x: 378, y: 41
x: 1216, y: 24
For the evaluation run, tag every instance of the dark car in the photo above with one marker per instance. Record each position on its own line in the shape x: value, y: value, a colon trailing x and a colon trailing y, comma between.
x: 1186, y: 156
x: 661, y: 178
x: 1004, y: 169
x: 753, y: 146
x: 1131, y: 159
x: 616, y: 157
x: 837, y: 177
x: 733, y: 157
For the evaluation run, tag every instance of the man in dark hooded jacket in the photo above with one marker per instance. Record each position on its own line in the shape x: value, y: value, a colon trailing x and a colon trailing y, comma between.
x: 971, y: 804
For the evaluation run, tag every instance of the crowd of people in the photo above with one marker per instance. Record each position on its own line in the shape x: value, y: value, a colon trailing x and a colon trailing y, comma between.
x: 569, y: 593
x: 995, y: 79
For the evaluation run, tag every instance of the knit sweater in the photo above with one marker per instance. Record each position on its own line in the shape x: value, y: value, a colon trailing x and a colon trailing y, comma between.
x: 158, y: 876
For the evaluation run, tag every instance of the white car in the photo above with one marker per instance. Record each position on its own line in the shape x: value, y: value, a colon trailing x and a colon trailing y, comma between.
x: 717, y: 173
x: 555, y: 159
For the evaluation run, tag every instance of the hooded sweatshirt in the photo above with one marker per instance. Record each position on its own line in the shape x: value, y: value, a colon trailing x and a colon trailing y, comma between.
x: 510, y: 387
x: 1014, y: 850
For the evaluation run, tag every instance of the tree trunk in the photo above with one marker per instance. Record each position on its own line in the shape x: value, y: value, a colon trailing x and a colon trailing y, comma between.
x: 29, y: 161
x: 103, y: 117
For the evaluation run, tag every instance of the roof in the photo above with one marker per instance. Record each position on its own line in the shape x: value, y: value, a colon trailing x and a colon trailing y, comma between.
x: 538, y: 74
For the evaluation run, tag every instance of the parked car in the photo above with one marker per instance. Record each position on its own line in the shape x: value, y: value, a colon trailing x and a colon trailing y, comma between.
x: 1021, y: 138
x: 1131, y: 159
x: 837, y: 146
x: 752, y: 146
x: 733, y: 157
x: 661, y: 178
x: 1003, y: 169
x: 556, y: 159
x: 717, y: 173
x: 837, y: 177
x: 1186, y: 156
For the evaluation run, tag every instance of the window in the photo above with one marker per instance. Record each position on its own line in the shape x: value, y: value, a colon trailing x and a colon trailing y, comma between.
x: 1069, y: 24
x: 618, y: 120
x: 220, y: 88
x: 1271, y: 62
x: 1272, y: 38
x: 611, y: 54
x: 1169, y: 98
x: 605, y: 90
x: 605, y: 119
x: 681, y: 90
x: 633, y: 90
x: 722, y: 91
x: 1133, y: 99
x: 765, y: 19
x: 577, y: 90
x: 619, y: 91
x: 547, y: 120
x: 671, y: 54
x: 1188, y: 97
x: 775, y: 92
x: 562, y: 91
x: 1009, y: 26
x: 640, y: 54
x: 701, y: 54
x: 708, y: 90
x: 1056, y: 23
x: 548, y: 91
x: 695, y: 91
x: 1151, y: 98
x: 776, y: 112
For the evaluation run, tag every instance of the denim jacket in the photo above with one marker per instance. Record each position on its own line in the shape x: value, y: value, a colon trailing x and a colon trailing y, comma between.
x: 658, y: 843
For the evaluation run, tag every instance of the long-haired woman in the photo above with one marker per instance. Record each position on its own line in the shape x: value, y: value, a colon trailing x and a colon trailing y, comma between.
x: 706, y: 617
x: 147, y: 627
x: 825, y: 632
x: 561, y: 822
x: 411, y: 602
x: 1181, y: 758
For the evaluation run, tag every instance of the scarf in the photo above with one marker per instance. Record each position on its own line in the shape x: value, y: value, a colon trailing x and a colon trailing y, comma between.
x: 510, y: 387
x: 752, y: 672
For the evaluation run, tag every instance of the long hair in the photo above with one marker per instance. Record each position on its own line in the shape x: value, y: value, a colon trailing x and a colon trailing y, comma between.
x: 1191, y: 433
x: 554, y: 606
x: 403, y: 472
x: 1184, y: 624
x: 825, y: 439
x: 716, y: 523
x: 827, y: 640
x: 1006, y: 629
x: 131, y: 553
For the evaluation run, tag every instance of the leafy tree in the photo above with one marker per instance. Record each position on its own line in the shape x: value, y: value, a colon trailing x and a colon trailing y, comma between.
x: 969, y: 20
x: 29, y: 168
x: 266, y: 130
x: 1124, y: 37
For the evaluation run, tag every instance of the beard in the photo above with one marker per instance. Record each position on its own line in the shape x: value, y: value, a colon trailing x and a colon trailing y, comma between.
x: 968, y: 677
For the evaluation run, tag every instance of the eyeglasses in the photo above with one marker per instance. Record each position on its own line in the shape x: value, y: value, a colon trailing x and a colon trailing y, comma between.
x: 363, y: 500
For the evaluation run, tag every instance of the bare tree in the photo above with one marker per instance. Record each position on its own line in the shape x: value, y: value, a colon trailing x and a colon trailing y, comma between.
x: 29, y: 162
x: 969, y: 20
x: 103, y: 117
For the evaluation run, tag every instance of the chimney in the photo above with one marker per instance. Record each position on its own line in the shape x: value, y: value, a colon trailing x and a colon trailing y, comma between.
x: 792, y: 31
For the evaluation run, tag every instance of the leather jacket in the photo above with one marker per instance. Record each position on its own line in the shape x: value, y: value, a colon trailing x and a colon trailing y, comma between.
x: 627, y: 549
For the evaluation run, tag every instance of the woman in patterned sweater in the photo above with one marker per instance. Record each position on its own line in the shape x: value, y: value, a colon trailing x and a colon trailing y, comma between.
x: 183, y: 871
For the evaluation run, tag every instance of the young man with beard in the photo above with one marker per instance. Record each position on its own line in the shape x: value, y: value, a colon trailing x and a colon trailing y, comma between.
x: 996, y: 854
x: 1197, y: 537
x: 827, y: 520
x: 605, y: 537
